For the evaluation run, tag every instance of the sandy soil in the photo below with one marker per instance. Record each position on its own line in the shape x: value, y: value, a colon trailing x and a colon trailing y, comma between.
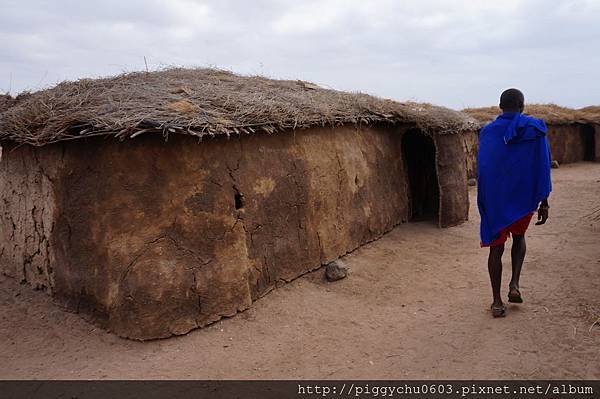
x: 415, y: 305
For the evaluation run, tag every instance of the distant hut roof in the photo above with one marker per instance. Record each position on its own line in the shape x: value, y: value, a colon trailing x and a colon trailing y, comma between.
x: 590, y: 114
x: 550, y: 113
x: 202, y: 102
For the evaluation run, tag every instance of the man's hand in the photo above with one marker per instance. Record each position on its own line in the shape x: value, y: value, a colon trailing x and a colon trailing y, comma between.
x: 543, y: 212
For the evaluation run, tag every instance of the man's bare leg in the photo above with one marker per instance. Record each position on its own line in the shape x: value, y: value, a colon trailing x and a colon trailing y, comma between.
x: 495, y: 270
x: 517, y: 254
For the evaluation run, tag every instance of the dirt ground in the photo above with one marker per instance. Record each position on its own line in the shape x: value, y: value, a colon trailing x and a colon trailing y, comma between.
x: 415, y: 305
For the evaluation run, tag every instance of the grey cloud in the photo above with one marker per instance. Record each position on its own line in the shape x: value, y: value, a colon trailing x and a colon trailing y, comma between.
x: 459, y: 53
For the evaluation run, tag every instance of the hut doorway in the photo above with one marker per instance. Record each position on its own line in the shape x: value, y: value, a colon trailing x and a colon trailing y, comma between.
x: 589, y: 142
x: 419, y: 157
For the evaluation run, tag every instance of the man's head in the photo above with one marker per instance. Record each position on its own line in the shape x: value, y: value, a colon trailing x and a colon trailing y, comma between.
x: 512, y: 100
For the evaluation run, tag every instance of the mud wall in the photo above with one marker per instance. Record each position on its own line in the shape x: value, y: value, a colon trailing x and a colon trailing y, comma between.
x: 566, y: 143
x: 452, y: 180
x: 155, y: 239
x: 471, y: 145
x: 28, y: 213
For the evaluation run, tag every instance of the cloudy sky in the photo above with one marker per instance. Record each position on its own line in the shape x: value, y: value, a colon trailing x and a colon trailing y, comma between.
x: 454, y: 53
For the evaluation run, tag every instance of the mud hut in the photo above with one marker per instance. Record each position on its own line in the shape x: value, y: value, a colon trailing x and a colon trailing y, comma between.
x: 574, y: 134
x: 155, y: 203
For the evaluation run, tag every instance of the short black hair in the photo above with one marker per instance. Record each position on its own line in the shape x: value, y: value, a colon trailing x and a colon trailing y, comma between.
x: 512, y: 99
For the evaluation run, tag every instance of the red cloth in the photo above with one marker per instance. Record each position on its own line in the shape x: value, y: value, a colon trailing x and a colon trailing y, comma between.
x: 519, y: 228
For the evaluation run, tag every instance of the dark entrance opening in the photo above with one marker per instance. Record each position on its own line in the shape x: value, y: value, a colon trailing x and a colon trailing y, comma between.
x: 589, y: 142
x: 419, y: 157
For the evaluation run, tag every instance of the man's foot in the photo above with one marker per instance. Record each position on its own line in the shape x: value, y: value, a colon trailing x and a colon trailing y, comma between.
x: 498, y: 310
x: 514, y: 295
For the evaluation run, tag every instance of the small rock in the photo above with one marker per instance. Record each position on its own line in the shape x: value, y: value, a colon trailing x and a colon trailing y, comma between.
x: 554, y: 164
x: 472, y: 182
x: 336, y: 270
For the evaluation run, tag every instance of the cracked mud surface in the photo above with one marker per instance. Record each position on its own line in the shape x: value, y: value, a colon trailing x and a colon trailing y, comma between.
x: 415, y: 305
x: 151, y: 239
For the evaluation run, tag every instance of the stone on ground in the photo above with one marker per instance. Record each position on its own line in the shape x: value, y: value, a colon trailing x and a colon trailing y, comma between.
x: 336, y: 270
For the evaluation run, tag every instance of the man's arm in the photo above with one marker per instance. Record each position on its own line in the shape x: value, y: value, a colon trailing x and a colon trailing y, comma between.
x: 543, y: 212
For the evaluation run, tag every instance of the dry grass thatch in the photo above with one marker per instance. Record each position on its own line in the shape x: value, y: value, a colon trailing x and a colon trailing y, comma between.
x: 591, y: 114
x: 6, y: 102
x: 550, y: 113
x: 202, y: 102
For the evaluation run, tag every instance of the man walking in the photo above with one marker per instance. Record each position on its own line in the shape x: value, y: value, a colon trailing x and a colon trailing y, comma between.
x: 513, y: 169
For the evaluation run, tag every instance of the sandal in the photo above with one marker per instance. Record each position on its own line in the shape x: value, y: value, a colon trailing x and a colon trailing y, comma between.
x: 498, y: 311
x: 514, y: 296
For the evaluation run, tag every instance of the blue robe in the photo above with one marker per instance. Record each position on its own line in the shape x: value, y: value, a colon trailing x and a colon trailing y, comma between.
x: 513, y: 171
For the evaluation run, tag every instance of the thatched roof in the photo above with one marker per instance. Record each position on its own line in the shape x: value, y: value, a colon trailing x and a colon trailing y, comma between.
x: 552, y: 114
x: 591, y: 114
x: 203, y: 102
x: 6, y: 102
